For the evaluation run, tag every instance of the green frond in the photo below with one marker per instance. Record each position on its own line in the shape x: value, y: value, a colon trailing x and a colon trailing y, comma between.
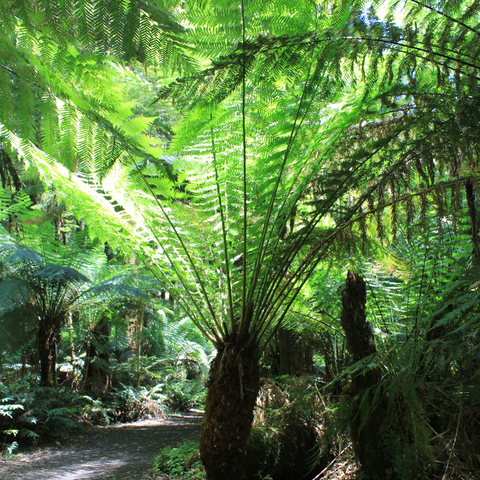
x: 60, y: 276
x: 22, y: 256
x: 112, y: 28
x: 14, y: 294
x: 306, y: 120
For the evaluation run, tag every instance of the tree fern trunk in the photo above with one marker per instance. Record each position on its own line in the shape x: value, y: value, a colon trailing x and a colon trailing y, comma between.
x: 72, y: 349
x: 232, y: 392
x: 48, y: 335
x: 94, y: 373
x: 367, y: 438
x: 10, y: 167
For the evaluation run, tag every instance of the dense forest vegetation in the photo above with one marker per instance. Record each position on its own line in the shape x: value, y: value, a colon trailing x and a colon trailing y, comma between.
x: 266, y: 210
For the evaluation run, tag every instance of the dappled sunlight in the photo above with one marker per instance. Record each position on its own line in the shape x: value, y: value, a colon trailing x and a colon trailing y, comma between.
x: 74, y: 471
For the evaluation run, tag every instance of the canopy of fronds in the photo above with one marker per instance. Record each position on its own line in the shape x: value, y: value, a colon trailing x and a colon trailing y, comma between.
x: 305, y: 119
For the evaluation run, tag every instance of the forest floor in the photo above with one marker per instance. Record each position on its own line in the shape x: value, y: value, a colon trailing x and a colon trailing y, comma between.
x: 115, y: 452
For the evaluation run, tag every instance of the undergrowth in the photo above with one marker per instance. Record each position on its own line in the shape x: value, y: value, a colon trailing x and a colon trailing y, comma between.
x: 284, y: 443
x: 180, y: 462
x: 30, y: 414
x: 179, y: 383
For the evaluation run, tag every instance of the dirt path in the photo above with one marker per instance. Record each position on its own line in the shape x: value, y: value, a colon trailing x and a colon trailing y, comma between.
x: 115, y: 452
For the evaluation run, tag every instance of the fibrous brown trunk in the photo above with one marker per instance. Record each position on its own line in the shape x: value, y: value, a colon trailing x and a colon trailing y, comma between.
x: 367, y: 439
x: 232, y: 392
x: 48, y: 337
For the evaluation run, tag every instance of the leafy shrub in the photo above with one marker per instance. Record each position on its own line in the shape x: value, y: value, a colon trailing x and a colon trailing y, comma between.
x: 179, y: 382
x: 129, y: 404
x: 32, y: 413
x: 7, y: 412
x: 93, y: 411
x: 180, y: 462
x: 182, y: 395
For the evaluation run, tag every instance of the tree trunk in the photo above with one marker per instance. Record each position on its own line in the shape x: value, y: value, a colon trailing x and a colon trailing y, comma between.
x: 10, y: 167
x: 72, y: 349
x: 469, y: 190
x: 367, y: 440
x: 48, y: 337
x: 139, y: 344
x: 232, y: 392
x: 95, y: 374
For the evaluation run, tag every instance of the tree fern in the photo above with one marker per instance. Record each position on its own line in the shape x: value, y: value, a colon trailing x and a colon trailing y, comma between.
x: 372, y: 154
x: 328, y: 111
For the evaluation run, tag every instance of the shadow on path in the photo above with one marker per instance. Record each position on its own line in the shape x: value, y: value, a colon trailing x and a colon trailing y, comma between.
x: 114, y: 452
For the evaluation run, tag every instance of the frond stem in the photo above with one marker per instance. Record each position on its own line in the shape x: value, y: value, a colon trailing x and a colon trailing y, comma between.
x: 464, y: 25
x: 224, y: 234
x: 187, y: 253
x: 245, y: 308
x: 294, y: 130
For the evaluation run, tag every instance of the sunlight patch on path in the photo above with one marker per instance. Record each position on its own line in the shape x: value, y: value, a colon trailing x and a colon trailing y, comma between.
x: 81, y: 471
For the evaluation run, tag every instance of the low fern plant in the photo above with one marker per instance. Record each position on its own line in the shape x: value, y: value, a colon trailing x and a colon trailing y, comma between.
x: 128, y: 404
x: 8, y: 409
x: 180, y: 462
x: 29, y: 413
